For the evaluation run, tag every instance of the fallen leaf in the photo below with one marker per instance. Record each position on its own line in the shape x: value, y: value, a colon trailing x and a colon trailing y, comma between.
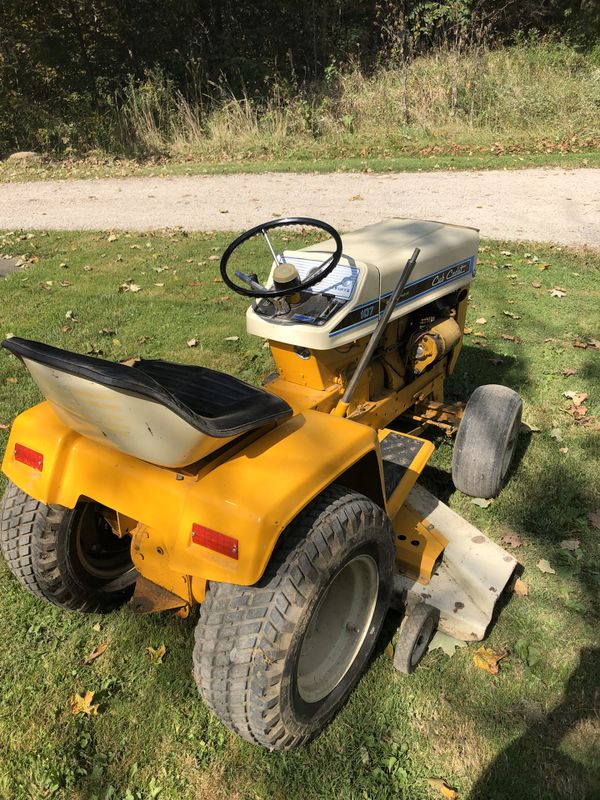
x: 543, y: 267
x: 570, y: 544
x: 213, y: 258
x: 544, y: 566
x: 96, y: 627
x: 129, y: 286
x: 357, y: 197
x: 563, y: 449
x: 12, y: 380
x: 446, y: 643
x: 577, y: 412
x: 480, y: 321
x: 482, y: 502
x: 577, y: 342
x: 389, y: 651
x: 512, y: 539
x: 594, y: 518
x: 192, y: 342
x: 558, y: 292
x: 480, y: 335
x: 70, y: 315
x: 443, y: 788
x: 467, y: 331
x: 223, y: 211
x: 129, y: 362
x: 96, y: 653
x: 487, y: 659
x: 536, y: 285
x: 520, y: 588
x: 505, y: 253
x: 556, y: 434
x: 569, y: 371
x: 511, y: 315
x: 527, y: 427
x: 106, y: 332
x: 87, y: 268
x: 509, y: 338
x: 143, y: 339
x: 113, y: 238
x: 231, y: 339
x: 594, y: 343
x: 157, y: 655
x: 577, y: 397
x: 4, y: 427
x: 83, y: 705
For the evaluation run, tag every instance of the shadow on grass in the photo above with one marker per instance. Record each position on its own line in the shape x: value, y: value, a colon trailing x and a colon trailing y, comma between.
x: 537, y: 765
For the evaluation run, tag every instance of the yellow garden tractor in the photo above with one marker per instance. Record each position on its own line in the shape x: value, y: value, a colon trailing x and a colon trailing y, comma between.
x: 290, y: 512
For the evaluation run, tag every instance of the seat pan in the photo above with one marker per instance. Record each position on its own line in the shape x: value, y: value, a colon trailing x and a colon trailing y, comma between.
x: 167, y: 413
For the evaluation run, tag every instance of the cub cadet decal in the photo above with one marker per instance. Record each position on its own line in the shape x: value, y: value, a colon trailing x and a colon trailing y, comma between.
x: 367, y: 311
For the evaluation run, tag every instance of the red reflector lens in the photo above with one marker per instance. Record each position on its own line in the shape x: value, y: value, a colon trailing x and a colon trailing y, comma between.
x: 28, y: 456
x: 215, y: 541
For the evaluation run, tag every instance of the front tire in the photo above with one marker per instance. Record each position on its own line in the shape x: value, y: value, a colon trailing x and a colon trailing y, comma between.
x: 276, y: 661
x: 486, y: 441
x: 67, y: 557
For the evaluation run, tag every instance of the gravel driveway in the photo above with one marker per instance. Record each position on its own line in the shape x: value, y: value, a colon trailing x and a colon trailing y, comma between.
x: 534, y: 204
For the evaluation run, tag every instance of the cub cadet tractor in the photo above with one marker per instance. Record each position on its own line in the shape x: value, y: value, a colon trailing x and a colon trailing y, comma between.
x: 290, y: 512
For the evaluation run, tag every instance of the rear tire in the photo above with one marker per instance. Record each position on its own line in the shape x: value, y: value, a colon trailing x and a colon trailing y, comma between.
x: 276, y: 661
x: 65, y: 556
x: 486, y: 441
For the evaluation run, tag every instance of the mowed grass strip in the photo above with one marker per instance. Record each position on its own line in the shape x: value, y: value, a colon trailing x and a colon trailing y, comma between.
x: 532, y: 731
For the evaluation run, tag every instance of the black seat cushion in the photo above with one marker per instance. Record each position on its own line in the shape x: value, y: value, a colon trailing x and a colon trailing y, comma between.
x: 214, y: 403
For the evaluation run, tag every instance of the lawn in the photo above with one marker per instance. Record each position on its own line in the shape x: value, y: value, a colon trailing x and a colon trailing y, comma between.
x: 297, y: 160
x: 530, y: 732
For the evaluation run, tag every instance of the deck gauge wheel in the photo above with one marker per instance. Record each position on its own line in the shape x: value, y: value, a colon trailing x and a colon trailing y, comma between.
x: 415, y: 634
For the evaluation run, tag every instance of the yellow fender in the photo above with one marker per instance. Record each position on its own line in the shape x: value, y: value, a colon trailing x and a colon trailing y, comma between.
x: 250, y: 492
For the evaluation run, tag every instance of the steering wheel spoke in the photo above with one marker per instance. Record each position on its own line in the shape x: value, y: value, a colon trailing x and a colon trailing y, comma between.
x: 257, y: 289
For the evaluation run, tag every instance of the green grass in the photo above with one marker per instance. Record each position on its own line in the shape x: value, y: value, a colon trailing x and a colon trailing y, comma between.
x: 299, y: 162
x: 531, y: 732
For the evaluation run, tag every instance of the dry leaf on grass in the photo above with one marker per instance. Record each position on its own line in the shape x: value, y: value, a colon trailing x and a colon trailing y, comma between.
x: 536, y: 285
x: 569, y: 371
x: 520, y: 588
x: 512, y: 539
x: 443, y: 788
x: 231, y: 339
x: 12, y: 380
x: 544, y: 566
x: 577, y: 412
x: 157, y: 655
x: 445, y: 643
x: 509, y: 338
x: 467, y: 331
x: 83, y: 705
x: 577, y: 342
x: 192, y: 342
x: 570, y: 544
x: 594, y: 518
x: 96, y: 653
x: 480, y: 321
x: 487, y: 659
x: 557, y: 292
x: 482, y: 502
x: 4, y: 426
x: 578, y: 398
x: 511, y: 315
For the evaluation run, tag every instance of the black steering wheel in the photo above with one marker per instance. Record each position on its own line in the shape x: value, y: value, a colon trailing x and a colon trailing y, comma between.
x: 315, y: 275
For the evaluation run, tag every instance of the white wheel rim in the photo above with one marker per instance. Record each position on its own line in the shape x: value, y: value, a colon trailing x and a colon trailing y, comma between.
x: 338, y: 628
